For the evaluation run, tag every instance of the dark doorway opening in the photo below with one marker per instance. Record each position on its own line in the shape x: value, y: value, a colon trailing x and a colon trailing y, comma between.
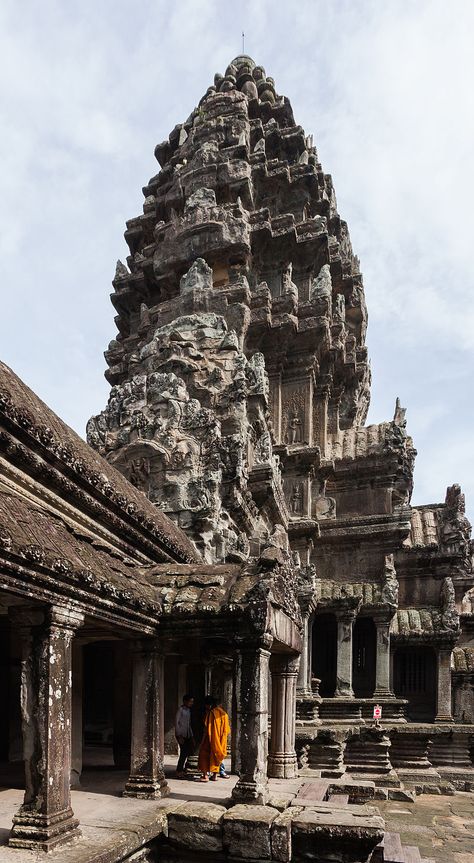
x: 107, y: 704
x: 364, y: 656
x: 324, y: 653
x: 415, y: 679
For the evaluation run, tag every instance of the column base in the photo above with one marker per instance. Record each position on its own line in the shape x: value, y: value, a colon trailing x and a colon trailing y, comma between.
x: 282, y: 766
x: 250, y: 792
x: 144, y: 788
x: 307, y: 709
x: 43, y: 832
x: 444, y: 717
x: 344, y: 692
x: 383, y: 693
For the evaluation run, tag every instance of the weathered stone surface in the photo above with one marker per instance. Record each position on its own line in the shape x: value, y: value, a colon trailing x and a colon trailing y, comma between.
x: 197, y: 826
x: 281, y: 835
x: 340, y: 836
x: 247, y: 831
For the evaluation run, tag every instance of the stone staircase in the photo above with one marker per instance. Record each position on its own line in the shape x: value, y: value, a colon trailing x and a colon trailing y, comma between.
x: 349, y: 797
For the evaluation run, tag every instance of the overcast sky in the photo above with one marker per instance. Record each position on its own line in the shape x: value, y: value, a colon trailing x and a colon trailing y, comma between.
x: 387, y: 88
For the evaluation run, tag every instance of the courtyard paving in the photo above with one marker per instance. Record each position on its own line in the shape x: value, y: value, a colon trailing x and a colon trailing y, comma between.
x: 442, y: 827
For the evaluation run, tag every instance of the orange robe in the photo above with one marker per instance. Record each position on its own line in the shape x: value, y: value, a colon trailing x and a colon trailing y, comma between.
x: 213, y: 748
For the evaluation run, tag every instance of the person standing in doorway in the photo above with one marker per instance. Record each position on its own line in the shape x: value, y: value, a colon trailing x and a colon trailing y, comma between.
x: 213, y: 748
x: 184, y: 735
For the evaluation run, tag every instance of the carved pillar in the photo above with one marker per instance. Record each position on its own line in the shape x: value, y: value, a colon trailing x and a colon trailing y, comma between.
x: 46, y: 819
x: 382, y: 668
x: 282, y: 763
x: 304, y: 673
x: 443, y: 702
x: 251, y: 735
x: 76, y: 732
x: 147, y: 778
x: 345, y: 626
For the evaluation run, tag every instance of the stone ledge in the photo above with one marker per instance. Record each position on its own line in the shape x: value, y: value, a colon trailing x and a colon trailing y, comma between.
x: 197, y: 825
x: 247, y: 831
x: 339, y: 835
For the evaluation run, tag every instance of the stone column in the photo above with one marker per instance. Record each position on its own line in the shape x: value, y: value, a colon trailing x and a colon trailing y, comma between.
x: 282, y: 763
x: 147, y: 778
x: 77, y: 732
x: 443, y: 702
x: 251, y: 735
x: 345, y: 626
x: 304, y: 673
x: 382, y: 668
x: 46, y: 819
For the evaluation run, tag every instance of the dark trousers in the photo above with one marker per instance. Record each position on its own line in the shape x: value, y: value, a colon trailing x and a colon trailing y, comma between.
x: 185, y: 750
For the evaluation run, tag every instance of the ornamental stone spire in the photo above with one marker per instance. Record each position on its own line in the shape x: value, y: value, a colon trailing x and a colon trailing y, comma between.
x: 241, y: 325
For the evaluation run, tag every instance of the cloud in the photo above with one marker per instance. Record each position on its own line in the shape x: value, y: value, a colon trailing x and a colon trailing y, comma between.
x: 385, y: 87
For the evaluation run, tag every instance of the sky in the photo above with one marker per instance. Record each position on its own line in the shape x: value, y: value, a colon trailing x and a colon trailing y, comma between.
x: 387, y: 89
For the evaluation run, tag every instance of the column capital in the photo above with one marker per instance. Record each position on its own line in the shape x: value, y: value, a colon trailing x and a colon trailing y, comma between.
x: 285, y: 664
x: 348, y: 613
x: 251, y: 645
x: 64, y: 617
x: 147, y: 644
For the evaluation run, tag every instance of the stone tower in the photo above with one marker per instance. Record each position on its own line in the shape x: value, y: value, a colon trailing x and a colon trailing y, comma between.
x: 240, y: 389
x: 241, y: 316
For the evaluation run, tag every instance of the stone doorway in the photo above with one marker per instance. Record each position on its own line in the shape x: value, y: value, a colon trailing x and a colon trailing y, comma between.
x: 102, y: 680
x: 415, y: 679
x: 364, y: 657
x: 324, y: 653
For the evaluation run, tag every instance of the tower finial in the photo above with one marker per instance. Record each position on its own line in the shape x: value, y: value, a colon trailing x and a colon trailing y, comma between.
x: 243, y: 42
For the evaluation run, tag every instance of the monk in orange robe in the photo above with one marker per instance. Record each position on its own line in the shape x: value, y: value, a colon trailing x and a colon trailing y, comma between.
x: 213, y: 748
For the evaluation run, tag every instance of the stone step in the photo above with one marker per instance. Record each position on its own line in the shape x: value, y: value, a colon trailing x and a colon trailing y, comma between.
x: 316, y: 790
x: 342, y: 799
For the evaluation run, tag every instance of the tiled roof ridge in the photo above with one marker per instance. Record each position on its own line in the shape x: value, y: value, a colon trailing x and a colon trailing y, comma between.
x: 36, y: 555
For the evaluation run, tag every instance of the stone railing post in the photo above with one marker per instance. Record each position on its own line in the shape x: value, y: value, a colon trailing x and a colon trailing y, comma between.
x: 345, y: 626
x: 251, y: 733
x: 443, y: 700
x: 46, y: 819
x: 282, y: 762
x: 147, y: 778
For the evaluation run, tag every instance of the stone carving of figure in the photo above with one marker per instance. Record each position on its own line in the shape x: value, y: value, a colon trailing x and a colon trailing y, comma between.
x: 140, y: 473
x: 296, y: 500
x: 389, y: 592
x: 257, y: 376
x: 464, y: 701
x: 339, y: 308
x: 294, y: 427
x: 455, y: 527
x: 399, y: 415
x: 448, y: 604
x: 263, y: 449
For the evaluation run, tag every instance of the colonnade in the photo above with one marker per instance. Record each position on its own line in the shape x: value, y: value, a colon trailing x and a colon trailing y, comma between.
x: 384, y: 653
x: 50, y: 708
